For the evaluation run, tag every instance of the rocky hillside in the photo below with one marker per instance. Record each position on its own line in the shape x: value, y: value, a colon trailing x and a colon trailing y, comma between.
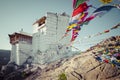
x: 84, y: 66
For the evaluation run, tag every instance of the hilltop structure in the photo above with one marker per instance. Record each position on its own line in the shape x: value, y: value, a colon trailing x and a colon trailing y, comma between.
x: 45, y: 45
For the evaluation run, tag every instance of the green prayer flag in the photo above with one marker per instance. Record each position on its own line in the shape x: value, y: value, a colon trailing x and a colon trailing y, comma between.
x: 78, y: 2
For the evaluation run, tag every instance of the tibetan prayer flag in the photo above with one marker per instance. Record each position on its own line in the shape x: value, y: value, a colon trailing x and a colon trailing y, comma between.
x: 78, y: 2
x: 106, y: 31
x: 74, y: 3
x: 106, y: 1
x: 74, y: 35
x: 81, y: 8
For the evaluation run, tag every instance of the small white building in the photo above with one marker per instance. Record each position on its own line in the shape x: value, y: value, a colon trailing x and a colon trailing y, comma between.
x: 21, y: 47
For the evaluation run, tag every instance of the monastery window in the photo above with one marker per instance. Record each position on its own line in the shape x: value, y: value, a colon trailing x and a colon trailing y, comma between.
x: 23, y: 38
x: 20, y: 38
x: 26, y: 38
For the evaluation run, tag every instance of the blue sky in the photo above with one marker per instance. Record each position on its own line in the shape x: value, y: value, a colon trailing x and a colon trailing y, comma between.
x: 17, y: 14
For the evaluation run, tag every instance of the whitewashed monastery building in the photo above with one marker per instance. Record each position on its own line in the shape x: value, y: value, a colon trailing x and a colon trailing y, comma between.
x: 45, y: 44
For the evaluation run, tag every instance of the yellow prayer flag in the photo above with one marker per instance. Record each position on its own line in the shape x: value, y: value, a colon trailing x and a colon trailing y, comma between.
x: 71, y: 26
x: 106, y: 1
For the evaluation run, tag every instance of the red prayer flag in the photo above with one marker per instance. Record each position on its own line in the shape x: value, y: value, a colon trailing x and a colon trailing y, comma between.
x: 74, y: 34
x: 81, y: 8
x: 106, y: 31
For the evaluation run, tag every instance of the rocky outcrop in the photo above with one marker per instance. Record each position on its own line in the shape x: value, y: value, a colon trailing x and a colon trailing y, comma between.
x: 80, y: 67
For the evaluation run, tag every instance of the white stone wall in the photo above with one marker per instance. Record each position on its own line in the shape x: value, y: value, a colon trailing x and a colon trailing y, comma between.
x: 25, y: 50
x: 35, y: 28
x: 35, y: 43
x: 20, y: 52
x: 13, y: 54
